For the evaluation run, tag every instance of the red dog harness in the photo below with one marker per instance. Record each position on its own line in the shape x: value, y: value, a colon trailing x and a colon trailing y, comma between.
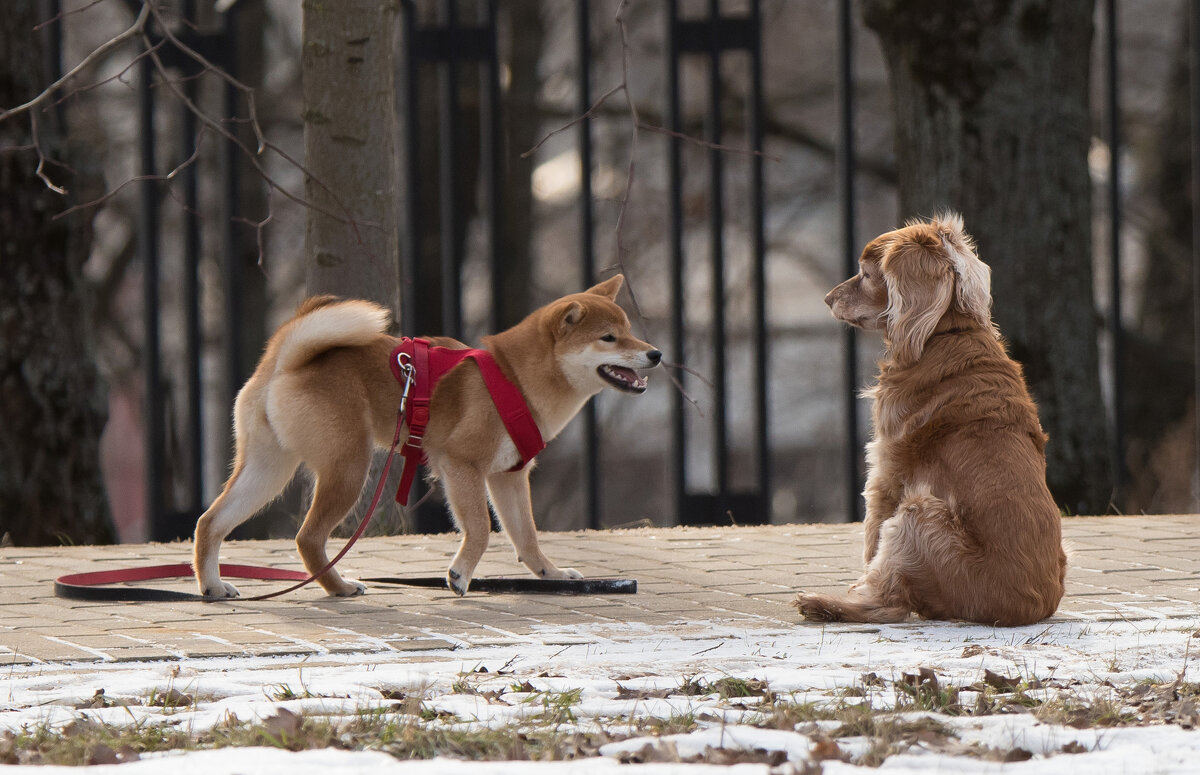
x: 425, y: 365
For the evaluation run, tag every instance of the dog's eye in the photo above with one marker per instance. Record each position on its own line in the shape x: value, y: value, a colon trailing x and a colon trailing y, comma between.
x: 608, y: 338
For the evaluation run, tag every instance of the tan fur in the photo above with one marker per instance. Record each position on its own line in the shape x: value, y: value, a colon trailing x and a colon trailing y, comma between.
x: 324, y: 395
x: 959, y: 522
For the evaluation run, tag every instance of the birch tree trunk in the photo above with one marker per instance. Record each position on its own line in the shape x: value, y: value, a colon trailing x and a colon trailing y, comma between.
x: 990, y: 99
x: 352, y: 248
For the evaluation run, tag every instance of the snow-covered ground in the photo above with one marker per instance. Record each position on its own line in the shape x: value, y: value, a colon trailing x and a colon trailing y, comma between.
x: 662, y: 700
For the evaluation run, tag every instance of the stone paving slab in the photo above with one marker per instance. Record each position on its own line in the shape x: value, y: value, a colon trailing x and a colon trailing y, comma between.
x: 1121, y: 568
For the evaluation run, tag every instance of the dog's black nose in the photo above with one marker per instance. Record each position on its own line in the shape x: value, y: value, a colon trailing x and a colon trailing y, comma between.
x: 655, y: 356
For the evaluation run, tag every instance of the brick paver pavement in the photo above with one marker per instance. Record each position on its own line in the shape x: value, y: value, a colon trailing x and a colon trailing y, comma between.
x: 1121, y: 568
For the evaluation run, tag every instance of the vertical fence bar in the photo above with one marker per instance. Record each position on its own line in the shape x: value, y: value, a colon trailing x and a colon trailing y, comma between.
x: 1116, y: 331
x: 191, y: 295
x: 235, y: 362
x: 493, y: 143
x: 414, y: 279
x: 451, y: 260
x: 590, y: 458
x: 716, y: 184
x: 759, y: 245
x: 1194, y: 54
x: 845, y: 164
x: 674, y: 165
x: 148, y: 250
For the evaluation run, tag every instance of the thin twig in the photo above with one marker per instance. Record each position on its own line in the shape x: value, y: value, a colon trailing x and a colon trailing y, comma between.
x: 41, y: 157
x: 708, y: 144
x: 183, y: 165
x: 196, y: 56
x: 575, y: 121
x: 253, y: 158
x: 62, y: 15
x: 138, y: 28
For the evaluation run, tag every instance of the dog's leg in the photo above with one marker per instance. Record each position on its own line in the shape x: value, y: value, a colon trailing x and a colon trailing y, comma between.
x: 509, y: 492
x: 923, y: 551
x: 467, y: 496
x: 882, y: 496
x: 262, y: 471
x: 338, y: 486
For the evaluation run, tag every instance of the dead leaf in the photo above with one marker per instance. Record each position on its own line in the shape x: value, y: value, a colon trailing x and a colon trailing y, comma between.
x: 97, y: 700
x: 973, y: 650
x: 283, y: 725
x: 659, y: 751
x: 824, y: 749
x: 102, y: 754
x: 1000, y: 682
x: 625, y: 693
x: 1073, y: 747
x: 171, y: 698
x: 1017, y: 755
x: 79, y: 726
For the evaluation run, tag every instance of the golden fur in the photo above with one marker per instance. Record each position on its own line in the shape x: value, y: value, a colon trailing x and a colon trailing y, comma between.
x: 959, y: 522
x: 324, y: 395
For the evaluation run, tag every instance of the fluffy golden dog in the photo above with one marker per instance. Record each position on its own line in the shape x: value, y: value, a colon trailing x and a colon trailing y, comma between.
x: 959, y: 522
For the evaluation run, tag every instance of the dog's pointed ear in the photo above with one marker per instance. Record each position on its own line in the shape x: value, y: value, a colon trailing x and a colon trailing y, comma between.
x: 610, y: 287
x: 570, y: 315
x: 920, y: 287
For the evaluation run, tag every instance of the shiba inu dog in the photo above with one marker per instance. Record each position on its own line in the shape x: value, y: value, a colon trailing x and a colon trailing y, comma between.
x: 324, y: 395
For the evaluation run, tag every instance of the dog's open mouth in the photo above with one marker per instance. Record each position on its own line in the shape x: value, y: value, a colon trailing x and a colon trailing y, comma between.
x: 623, y: 378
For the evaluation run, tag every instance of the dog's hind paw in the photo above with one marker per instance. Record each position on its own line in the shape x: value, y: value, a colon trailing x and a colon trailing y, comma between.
x: 220, y: 591
x: 457, y: 582
x: 815, y: 608
x: 352, y: 589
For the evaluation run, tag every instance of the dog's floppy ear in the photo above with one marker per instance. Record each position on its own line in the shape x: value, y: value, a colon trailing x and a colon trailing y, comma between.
x: 974, y: 278
x: 920, y: 287
x: 610, y: 287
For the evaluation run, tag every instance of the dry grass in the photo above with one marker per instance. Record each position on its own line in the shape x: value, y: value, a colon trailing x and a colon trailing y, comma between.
x: 891, y: 716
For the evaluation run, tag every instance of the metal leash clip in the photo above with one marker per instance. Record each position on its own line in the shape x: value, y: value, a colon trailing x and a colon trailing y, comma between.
x: 404, y: 361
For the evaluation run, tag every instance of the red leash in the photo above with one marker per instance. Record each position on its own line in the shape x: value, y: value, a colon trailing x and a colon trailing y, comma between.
x: 418, y: 365
x: 89, y: 586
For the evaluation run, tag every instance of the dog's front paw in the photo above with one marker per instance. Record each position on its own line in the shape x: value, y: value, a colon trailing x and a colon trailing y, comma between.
x: 458, y: 582
x: 560, y: 573
x: 220, y: 591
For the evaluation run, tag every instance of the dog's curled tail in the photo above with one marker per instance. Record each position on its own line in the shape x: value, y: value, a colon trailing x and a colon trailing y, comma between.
x: 325, y: 322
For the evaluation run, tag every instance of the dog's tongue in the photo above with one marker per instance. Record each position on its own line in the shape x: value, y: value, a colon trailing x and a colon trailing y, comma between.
x: 627, y: 374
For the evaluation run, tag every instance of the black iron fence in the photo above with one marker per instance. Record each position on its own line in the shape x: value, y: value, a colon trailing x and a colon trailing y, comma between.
x: 461, y: 48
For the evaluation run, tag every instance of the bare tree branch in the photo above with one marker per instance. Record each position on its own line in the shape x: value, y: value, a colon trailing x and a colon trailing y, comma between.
x: 137, y: 29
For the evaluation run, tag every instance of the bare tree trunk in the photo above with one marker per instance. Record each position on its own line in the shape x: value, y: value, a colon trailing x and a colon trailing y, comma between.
x: 52, y: 398
x: 991, y: 119
x: 350, y: 149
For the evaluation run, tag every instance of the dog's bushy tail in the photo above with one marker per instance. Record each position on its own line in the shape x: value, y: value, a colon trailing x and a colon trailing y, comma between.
x: 853, y: 608
x: 324, y: 322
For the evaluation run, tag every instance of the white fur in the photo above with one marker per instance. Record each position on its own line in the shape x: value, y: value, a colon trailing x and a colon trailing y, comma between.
x: 348, y: 324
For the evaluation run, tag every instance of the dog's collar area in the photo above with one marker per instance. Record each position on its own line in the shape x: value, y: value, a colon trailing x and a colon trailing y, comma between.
x: 950, y: 332
x: 417, y: 361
